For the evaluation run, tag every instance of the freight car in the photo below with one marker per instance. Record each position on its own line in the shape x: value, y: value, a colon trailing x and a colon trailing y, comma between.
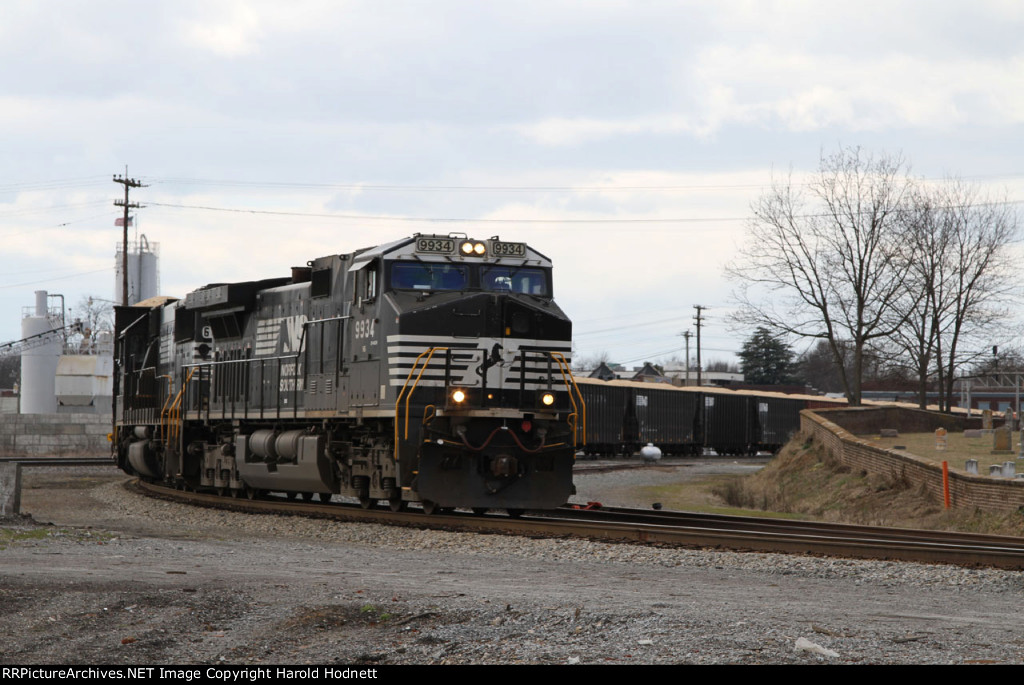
x: 624, y: 415
x: 432, y: 369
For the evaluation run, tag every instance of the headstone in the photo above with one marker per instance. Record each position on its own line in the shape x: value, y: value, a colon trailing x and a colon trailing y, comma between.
x: 10, y: 489
x: 972, y: 433
x: 940, y: 438
x: 1002, y: 441
x: 1009, y: 469
x: 995, y: 470
x: 986, y: 419
x: 889, y: 433
x: 972, y: 466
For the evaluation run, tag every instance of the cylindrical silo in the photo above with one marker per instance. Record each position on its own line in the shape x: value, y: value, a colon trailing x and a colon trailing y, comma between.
x: 143, y: 271
x: 39, y: 359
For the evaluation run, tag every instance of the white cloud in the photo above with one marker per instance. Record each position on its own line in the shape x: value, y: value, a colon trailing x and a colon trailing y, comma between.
x: 771, y: 88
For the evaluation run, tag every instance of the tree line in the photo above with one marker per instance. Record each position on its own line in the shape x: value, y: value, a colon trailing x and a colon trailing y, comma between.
x: 875, y: 264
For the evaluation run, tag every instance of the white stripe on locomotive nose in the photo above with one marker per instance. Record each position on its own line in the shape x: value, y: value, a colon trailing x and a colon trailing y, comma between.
x: 467, y: 354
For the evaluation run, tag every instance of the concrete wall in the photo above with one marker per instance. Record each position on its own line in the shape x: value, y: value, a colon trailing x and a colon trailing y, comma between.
x: 54, y: 434
x: 10, y: 489
x: 966, y: 490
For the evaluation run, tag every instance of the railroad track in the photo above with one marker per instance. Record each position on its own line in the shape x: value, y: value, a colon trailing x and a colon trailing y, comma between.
x: 668, y: 528
x: 59, y: 461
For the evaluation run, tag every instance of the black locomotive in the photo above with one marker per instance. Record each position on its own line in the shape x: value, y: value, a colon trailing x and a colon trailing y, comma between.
x: 432, y: 369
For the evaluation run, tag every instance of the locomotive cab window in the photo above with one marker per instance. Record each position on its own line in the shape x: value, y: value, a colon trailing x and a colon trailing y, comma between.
x: 512, y: 280
x: 366, y: 283
x: 429, y: 276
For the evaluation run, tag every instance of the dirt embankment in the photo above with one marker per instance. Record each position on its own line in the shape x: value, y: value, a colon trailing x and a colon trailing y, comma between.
x: 803, y: 479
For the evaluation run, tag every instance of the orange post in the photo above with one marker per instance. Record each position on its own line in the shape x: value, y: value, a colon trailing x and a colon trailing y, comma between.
x: 945, y: 482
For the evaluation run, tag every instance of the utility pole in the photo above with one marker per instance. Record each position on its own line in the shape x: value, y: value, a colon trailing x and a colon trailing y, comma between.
x: 687, y: 335
x: 699, y: 320
x: 128, y: 184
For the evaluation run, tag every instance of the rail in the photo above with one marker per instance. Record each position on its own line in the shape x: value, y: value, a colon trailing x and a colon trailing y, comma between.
x: 674, y: 528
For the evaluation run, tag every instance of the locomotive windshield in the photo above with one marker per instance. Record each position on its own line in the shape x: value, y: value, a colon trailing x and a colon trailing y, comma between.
x: 512, y: 280
x: 419, y: 276
x: 490, y: 278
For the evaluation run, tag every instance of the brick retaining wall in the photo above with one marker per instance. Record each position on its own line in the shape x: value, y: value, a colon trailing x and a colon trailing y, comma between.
x: 868, y: 420
x: 965, y: 490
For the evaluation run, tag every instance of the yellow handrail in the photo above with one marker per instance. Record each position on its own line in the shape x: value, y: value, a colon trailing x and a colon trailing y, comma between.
x: 433, y: 412
x: 163, y: 409
x: 570, y: 384
x: 398, y: 400
x: 175, y: 412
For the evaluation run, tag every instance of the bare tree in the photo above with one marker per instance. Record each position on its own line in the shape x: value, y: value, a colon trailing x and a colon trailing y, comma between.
x: 957, y: 289
x: 817, y: 367
x: 722, y: 365
x: 828, y: 261
x: 915, y: 341
x: 91, y: 316
x: 976, y: 281
x: 590, y: 362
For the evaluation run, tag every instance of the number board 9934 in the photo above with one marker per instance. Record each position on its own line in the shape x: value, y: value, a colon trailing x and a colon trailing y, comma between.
x: 500, y: 249
x: 435, y: 245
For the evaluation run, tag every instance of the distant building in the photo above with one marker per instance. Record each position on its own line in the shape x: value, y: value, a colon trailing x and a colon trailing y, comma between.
x: 673, y: 373
x: 676, y: 371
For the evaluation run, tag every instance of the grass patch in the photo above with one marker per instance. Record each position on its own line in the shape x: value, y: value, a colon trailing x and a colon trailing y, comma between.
x: 13, y: 536
x: 8, y: 535
x: 958, y: 449
x: 701, y: 496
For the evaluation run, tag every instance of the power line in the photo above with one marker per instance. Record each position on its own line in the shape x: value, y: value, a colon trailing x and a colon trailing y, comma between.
x: 55, y: 278
x: 80, y: 182
x: 470, y: 220
x: 501, y: 188
x: 36, y: 210
x: 371, y: 217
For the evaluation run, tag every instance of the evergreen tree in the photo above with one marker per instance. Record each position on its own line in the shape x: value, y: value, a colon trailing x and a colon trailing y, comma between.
x: 766, y: 360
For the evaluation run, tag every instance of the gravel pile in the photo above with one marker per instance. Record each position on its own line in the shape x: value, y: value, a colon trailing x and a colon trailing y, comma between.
x: 158, y: 582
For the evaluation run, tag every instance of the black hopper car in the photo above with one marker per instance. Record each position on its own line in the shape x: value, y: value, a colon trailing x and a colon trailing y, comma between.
x: 622, y: 416
x: 432, y: 369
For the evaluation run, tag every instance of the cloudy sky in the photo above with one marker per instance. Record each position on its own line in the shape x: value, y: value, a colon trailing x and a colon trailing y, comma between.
x: 625, y: 140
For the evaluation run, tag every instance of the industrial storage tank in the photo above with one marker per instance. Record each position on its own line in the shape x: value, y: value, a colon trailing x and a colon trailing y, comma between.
x: 41, y: 330
x: 85, y: 380
x: 143, y: 270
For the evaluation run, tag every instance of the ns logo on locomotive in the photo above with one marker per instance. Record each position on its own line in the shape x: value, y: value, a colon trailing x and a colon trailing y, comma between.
x: 432, y: 369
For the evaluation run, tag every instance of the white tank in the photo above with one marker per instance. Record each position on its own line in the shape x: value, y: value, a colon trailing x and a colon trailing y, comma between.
x: 650, y: 452
x: 39, y: 359
x: 143, y: 270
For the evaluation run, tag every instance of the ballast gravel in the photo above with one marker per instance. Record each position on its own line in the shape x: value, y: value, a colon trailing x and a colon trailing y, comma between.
x: 123, y: 579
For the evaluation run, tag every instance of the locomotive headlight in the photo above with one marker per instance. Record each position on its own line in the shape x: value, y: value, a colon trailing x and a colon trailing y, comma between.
x: 470, y: 249
x: 459, y: 396
x: 548, y: 399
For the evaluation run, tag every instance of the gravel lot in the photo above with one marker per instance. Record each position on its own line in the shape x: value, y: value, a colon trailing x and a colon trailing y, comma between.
x: 123, y: 579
